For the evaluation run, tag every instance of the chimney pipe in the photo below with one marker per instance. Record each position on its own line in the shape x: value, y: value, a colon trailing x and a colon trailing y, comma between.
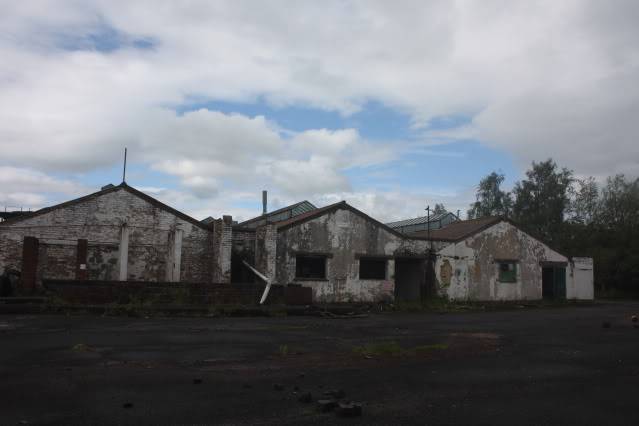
x: 264, y: 200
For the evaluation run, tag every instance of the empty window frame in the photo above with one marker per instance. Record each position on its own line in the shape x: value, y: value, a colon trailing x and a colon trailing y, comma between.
x: 372, y: 268
x: 310, y: 267
x: 507, y: 272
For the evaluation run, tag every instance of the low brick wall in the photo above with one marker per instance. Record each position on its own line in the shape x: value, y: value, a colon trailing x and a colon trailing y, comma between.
x: 123, y: 292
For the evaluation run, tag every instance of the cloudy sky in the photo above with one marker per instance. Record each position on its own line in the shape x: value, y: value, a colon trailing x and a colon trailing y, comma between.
x: 390, y: 105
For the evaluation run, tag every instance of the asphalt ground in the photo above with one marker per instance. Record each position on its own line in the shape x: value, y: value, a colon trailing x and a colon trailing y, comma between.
x: 544, y: 366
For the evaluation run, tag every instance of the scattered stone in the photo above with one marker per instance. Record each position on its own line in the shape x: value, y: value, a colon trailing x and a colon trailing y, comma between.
x: 197, y: 381
x: 606, y: 324
x: 351, y: 409
x: 278, y: 387
x: 326, y: 405
x: 335, y: 393
x: 306, y: 398
x: 127, y: 405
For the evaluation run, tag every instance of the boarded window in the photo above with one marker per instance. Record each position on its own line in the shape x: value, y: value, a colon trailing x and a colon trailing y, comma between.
x: 310, y: 267
x: 507, y: 272
x: 372, y: 269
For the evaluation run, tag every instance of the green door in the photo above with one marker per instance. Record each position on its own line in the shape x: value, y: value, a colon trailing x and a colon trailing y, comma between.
x: 560, y: 283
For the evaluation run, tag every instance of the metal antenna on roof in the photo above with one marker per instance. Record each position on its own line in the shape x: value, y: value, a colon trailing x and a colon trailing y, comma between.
x: 428, y: 221
x: 124, y: 170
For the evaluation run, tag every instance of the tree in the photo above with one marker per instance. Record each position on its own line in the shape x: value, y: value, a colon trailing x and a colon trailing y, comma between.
x: 542, y: 200
x: 439, y: 209
x: 491, y: 200
x: 585, y: 203
x: 620, y: 203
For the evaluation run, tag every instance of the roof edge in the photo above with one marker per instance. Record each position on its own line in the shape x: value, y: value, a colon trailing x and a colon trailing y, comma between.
x: 333, y: 207
x: 123, y: 186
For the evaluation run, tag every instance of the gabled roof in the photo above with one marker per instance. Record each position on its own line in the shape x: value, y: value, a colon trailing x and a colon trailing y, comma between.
x: 419, y: 220
x: 122, y: 187
x: 305, y: 217
x: 457, y: 231
x: 302, y: 206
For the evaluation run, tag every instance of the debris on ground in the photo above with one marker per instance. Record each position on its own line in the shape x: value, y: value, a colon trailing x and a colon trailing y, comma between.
x: 335, y: 393
x: 326, y: 405
x: 350, y: 409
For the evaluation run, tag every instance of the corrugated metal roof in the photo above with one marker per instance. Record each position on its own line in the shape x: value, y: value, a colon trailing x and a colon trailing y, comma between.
x: 286, y: 213
x: 418, y: 220
x: 458, y: 230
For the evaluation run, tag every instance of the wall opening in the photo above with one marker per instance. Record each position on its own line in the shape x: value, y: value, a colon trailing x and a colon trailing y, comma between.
x: 372, y: 268
x: 310, y: 267
x: 553, y: 282
x: 410, y: 277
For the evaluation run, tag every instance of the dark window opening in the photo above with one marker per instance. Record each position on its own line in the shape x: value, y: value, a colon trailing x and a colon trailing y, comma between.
x: 310, y: 267
x: 507, y: 272
x: 372, y: 269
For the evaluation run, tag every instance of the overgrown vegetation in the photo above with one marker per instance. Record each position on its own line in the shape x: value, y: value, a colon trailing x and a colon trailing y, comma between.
x: 577, y: 216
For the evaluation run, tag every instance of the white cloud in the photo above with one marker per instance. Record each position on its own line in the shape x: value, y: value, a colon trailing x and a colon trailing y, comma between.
x: 539, y: 79
x: 26, y: 188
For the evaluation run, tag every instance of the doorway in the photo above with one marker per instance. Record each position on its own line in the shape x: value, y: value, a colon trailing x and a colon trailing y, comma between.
x: 553, y: 282
x: 410, y: 277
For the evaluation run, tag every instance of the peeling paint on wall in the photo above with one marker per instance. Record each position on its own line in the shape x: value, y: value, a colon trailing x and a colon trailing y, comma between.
x: 99, y: 220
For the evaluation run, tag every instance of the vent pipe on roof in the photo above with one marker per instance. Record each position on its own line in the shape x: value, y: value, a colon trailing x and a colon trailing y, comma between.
x: 264, y: 201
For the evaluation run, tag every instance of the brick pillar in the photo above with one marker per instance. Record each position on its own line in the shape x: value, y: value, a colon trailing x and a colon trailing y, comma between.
x: 266, y: 250
x: 222, y: 246
x: 29, y: 263
x: 81, y: 271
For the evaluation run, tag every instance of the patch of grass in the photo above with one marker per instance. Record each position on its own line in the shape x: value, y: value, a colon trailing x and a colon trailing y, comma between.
x: 81, y: 347
x: 392, y: 348
x: 283, y: 350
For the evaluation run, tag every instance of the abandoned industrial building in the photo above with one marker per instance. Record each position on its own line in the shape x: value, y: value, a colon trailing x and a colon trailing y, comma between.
x: 339, y: 252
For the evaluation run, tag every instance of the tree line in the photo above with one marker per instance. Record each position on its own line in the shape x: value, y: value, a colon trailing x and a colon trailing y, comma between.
x: 575, y: 216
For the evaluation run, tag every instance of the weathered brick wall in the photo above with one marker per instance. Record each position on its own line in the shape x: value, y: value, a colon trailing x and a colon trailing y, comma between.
x: 265, y: 250
x: 57, y: 260
x: 342, y: 235
x: 99, y: 220
x: 102, y: 261
x: 222, y: 246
